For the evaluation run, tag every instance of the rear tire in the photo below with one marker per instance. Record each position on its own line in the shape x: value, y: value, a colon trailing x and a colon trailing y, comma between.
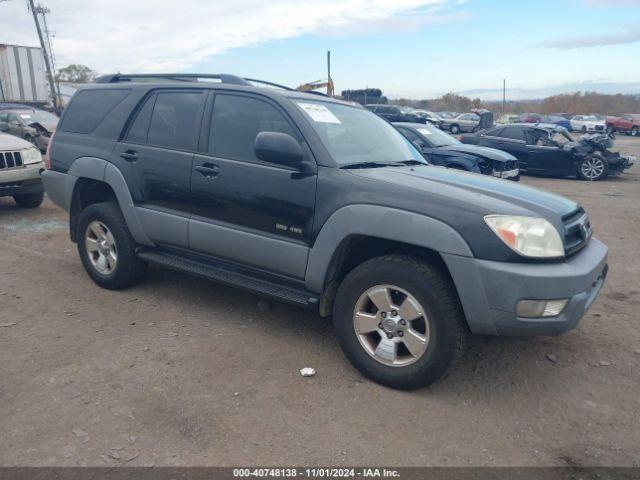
x: 593, y: 168
x: 634, y: 132
x: 403, y: 287
x: 107, y: 249
x: 29, y: 200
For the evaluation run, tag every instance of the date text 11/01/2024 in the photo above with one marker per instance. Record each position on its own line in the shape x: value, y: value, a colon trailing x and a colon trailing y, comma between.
x: 315, y: 472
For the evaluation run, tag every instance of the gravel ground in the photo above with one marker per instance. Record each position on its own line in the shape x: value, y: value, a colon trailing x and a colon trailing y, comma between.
x: 178, y: 371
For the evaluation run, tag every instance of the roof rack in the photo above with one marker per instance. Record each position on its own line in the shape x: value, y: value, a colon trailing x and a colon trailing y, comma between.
x: 185, y: 77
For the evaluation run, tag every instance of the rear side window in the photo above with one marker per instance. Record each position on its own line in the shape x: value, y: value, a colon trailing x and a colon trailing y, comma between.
x: 140, y: 127
x: 236, y: 121
x: 513, y: 133
x: 494, y: 132
x: 89, y: 108
x: 174, y: 120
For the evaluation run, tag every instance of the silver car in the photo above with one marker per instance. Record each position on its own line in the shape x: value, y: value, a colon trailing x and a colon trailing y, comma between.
x: 35, y: 126
x: 465, y: 122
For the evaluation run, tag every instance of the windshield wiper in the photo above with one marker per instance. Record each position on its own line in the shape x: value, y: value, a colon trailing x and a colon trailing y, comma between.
x: 411, y: 161
x: 368, y: 165
x: 383, y: 164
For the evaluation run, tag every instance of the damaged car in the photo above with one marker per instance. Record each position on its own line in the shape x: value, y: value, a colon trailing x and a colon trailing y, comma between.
x: 34, y: 126
x: 551, y: 150
x: 440, y: 148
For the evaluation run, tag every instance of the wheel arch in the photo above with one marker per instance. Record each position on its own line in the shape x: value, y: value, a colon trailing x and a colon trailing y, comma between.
x: 96, y: 180
x: 356, y: 233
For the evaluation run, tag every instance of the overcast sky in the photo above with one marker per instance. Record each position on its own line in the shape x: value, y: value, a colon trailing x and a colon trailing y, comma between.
x: 414, y: 48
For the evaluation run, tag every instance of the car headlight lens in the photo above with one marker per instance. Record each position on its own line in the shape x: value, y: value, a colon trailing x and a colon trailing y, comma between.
x: 30, y: 155
x: 528, y: 236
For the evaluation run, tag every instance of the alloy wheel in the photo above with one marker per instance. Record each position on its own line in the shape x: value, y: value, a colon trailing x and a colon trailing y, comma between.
x: 101, y: 248
x: 391, y: 325
x: 592, y: 167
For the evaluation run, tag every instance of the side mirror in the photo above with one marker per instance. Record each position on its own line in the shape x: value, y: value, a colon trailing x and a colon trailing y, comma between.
x: 4, y: 127
x: 280, y: 148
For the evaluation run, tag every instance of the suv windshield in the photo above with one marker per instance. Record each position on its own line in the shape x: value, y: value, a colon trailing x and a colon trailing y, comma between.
x: 355, y: 135
x: 436, y: 136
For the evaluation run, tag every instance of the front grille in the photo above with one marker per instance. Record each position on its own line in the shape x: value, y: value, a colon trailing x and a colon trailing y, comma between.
x: 505, y: 166
x: 10, y: 160
x: 577, y: 231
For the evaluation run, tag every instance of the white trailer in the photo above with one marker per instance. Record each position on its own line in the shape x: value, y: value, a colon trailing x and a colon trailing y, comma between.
x: 23, y: 77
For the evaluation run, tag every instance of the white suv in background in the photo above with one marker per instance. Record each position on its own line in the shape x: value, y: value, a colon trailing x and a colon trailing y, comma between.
x: 20, y: 167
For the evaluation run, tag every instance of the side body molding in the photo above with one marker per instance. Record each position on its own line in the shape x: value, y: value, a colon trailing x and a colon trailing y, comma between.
x: 381, y: 222
x: 99, y: 169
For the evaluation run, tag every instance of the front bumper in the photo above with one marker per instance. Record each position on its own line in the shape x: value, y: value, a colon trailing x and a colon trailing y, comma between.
x: 489, y: 291
x: 21, y: 180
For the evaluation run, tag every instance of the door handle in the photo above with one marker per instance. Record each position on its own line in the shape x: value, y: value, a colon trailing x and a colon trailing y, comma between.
x: 208, y: 170
x: 130, y: 155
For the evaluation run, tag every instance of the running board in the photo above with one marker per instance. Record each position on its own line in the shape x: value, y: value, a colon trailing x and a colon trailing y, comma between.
x: 234, y: 276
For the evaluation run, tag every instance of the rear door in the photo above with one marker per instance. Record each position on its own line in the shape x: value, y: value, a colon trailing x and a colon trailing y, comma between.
x: 247, y: 210
x: 155, y: 159
x: 512, y: 140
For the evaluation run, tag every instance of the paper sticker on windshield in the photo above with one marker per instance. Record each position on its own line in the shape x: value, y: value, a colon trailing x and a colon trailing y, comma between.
x: 424, y: 131
x: 25, y: 116
x: 319, y: 113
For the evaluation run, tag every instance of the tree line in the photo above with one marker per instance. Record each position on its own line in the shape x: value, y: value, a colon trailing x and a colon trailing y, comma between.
x: 576, y: 103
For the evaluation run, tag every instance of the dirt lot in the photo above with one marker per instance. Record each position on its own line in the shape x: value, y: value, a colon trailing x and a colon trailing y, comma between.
x: 178, y: 371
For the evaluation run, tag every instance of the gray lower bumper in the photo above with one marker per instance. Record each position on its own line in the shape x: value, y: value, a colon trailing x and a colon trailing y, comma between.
x: 22, y: 180
x: 489, y: 291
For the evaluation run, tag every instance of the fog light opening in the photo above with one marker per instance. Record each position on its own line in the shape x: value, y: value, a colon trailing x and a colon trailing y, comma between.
x: 540, y: 308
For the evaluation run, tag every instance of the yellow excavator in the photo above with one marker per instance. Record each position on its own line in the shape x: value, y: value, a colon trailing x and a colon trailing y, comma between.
x: 307, y: 87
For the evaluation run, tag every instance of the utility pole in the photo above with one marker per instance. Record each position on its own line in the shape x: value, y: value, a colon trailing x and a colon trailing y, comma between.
x: 47, y: 64
x: 504, y: 94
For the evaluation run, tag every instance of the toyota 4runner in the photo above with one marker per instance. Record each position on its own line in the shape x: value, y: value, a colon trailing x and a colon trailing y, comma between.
x: 322, y: 204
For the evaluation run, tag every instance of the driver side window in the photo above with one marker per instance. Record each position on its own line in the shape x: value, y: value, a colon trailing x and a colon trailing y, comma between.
x: 412, y: 137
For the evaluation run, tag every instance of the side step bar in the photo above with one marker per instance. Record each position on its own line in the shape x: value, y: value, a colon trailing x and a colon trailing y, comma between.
x: 246, y: 279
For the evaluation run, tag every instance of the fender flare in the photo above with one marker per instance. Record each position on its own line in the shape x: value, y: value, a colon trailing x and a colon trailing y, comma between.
x: 103, y: 171
x: 379, y: 222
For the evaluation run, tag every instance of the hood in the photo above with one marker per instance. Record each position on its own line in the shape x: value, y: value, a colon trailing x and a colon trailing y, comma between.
x: 480, y: 194
x: 9, y: 142
x: 485, y: 152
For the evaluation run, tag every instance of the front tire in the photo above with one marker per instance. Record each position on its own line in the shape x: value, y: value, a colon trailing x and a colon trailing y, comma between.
x: 584, y: 129
x: 634, y: 132
x: 455, y: 129
x: 593, y: 168
x: 399, y: 321
x: 106, y: 247
x: 29, y: 200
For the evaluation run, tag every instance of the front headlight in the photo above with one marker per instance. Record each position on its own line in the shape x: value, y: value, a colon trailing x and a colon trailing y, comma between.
x: 528, y: 236
x: 30, y: 155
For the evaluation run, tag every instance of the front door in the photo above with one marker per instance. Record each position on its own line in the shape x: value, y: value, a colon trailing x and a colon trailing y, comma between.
x: 244, y: 209
x: 155, y: 159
